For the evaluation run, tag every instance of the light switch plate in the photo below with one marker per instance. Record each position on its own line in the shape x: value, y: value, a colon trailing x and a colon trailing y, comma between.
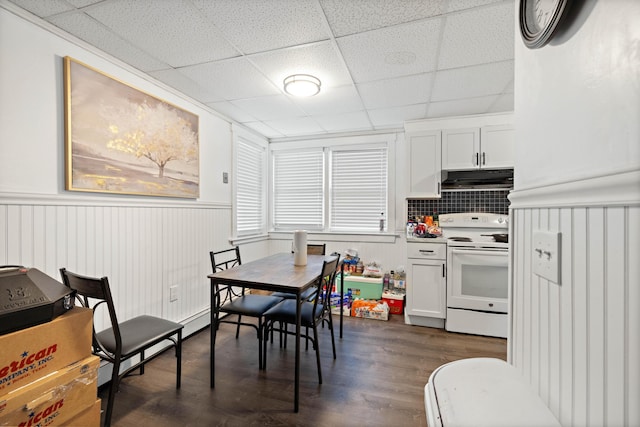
x: 546, y: 255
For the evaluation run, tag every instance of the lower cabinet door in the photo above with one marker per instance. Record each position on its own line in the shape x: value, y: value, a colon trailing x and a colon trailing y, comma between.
x: 426, y: 288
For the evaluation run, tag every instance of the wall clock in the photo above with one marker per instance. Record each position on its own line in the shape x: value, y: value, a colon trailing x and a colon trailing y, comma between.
x: 539, y: 20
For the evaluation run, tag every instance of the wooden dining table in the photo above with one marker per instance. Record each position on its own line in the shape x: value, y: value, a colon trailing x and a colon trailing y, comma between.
x: 275, y: 273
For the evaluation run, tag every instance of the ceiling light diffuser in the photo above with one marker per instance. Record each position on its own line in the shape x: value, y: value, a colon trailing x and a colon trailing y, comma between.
x: 302, y: 85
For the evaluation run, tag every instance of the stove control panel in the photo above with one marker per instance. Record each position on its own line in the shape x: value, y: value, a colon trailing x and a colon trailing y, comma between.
x: 474, y: 220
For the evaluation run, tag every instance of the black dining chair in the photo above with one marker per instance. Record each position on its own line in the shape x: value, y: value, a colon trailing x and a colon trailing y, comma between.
x: 234, y: 303
x: 315, y: 310
x: 122, y: 341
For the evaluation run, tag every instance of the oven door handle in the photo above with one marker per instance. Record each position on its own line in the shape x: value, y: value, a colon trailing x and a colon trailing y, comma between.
x: 479, y: 251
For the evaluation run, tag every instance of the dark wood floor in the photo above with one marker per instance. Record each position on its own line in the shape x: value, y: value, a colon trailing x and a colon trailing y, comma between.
x: 378, y: 379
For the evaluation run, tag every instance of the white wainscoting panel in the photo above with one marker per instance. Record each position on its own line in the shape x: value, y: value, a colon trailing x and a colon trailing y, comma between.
x: 578, y: 342
x: 142, y: 249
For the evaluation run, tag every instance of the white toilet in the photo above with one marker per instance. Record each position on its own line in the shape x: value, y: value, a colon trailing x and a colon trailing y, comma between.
x: 483, y: 392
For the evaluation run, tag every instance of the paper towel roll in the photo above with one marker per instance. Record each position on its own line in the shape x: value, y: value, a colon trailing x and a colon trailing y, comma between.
x: 300, y: 247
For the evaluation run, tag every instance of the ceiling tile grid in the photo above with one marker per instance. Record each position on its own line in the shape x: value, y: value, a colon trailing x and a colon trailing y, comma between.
x: 173, y: 31
x: 397, y: 92
x: 478, y: 36
x: 391, y: 52
x: 232, y: 79
x: 381, y: 62
x: 318, y: 59
x: 358, y: 16
x: 94, y: 33
x: 264, y: 25
x: 471, y: 82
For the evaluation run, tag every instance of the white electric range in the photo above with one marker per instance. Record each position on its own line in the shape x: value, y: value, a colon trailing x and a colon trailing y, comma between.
x: 477, y: 273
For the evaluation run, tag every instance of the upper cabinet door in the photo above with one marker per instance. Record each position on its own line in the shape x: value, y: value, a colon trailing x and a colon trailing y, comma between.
x: 460, y: 149
x: 497, y: 147
x: 425, y: 165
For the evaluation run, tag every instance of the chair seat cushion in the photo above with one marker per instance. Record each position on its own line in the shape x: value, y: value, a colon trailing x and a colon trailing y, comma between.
x: 139, y: 333
x: 305, y: 294
x: 285, y: 311
x: 251, y: 305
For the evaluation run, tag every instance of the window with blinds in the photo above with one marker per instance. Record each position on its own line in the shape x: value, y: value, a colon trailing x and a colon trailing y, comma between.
x: 358, y: 193
x: 250, y: 188
x: 298, y: 190
x: 353, y: 192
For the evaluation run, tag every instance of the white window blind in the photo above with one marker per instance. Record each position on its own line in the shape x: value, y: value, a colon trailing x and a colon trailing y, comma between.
x: 250, y: 189
x: 358, y: 193
x: 298, y: 189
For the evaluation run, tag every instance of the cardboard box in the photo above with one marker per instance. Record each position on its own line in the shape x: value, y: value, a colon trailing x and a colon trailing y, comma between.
x: 32, y: 353
x: 370, y: 309
x: 362, y: 287
x: 395, y: 302
x: 87, y: 418
x: 54, y: 399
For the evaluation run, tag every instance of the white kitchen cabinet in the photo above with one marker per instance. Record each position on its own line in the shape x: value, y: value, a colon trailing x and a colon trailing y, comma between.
x: 487, y: 147
x: 424, y: 158
x: 426, y: 279
x: 497, y: 145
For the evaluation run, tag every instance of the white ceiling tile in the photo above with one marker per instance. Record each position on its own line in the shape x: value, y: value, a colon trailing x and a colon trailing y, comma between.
x: 184, y: 84
x: 349, y: 17
x: 478, y: 36
x: 470, y: 82
x: 261, y: 25
x: 295, y: 126
x: 173, y: 31
x: 318, y: 59
x: 269, y: 107
x: 393, y: 51
x: 228, y: 109
x: 460, y: 107
x: 83, y: 3
x: 504, y: 102
x: 375, y: 58
x: 385, y: 117
x: 44, y: 8
x: 231, y: 79
x: 331, y: 100
x: 86, y: 28
x: 456, y: 5
x: 353, y: 121
x: 263, y: 129
x: 396, y: 92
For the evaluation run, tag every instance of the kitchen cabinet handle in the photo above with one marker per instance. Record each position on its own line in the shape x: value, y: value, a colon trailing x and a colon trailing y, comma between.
x: 444, y: 270
x: 483, y: 159
x: 422, y: 251
x: 438, y: 188
x: 477, y: 159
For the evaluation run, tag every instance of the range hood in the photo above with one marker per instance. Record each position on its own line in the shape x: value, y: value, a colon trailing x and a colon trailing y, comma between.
x: 477, y: 179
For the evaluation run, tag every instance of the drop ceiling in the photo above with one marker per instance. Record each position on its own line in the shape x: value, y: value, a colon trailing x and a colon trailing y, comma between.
x: 381, y: 62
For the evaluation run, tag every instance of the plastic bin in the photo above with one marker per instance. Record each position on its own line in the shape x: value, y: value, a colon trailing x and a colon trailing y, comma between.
x: 363, y: 287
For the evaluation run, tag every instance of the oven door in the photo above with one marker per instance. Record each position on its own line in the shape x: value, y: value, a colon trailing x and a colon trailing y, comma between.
x: 477, y: 279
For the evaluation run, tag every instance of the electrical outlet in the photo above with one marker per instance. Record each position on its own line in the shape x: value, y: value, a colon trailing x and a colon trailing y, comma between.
x: 225, y: 177
x: 546, y: 255
x: 173, y: 293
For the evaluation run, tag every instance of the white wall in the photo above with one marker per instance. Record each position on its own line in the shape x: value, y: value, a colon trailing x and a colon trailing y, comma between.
x: 577, y: 172
x: 143, y: 244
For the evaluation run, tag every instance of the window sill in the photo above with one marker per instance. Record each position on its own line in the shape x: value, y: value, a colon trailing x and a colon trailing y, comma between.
x: 338, y: 237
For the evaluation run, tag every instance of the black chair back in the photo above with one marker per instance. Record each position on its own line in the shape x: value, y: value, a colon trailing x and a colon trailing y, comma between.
x: 93, y: 293
x: 222, y: 260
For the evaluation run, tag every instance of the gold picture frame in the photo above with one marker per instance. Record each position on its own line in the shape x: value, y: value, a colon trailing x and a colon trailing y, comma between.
x: 119, y: 139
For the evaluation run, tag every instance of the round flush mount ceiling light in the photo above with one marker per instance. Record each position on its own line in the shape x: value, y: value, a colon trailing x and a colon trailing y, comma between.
x: 302, y: 85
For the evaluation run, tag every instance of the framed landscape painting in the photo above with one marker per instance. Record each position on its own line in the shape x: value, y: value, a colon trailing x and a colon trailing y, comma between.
x: 121, y: 140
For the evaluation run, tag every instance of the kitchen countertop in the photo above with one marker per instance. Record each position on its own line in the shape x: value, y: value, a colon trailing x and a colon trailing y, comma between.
x: 426, y: 240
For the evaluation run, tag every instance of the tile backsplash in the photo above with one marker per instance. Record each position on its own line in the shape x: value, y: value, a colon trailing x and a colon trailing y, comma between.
x: 494, y: 201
